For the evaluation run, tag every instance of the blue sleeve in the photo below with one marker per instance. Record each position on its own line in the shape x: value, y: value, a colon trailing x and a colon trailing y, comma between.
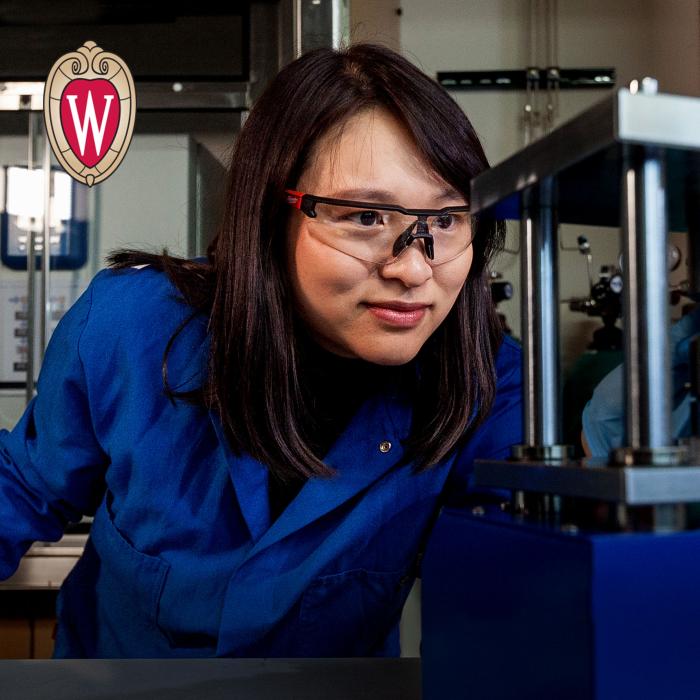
x: 502, y: 429
x: 603, y: 418
x: 51, y: 465
x: 604, y: 415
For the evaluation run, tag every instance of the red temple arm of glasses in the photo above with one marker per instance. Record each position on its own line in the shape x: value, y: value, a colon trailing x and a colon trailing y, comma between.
x: 294, y: 198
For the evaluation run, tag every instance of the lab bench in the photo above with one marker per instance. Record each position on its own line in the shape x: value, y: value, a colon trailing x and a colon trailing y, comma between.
x: 28, y: 598
x: 213, y: 679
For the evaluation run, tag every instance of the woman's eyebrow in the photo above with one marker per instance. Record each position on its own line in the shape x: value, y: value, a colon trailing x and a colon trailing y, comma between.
x: 384, y: 196
x: 449, y: 193
x: 363, y: 194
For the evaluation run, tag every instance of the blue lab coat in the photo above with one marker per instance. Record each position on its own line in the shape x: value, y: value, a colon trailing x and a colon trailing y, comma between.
x: 182, y: 559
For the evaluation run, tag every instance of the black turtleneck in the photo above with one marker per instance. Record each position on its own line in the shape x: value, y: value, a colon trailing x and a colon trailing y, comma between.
x: 335, y: 387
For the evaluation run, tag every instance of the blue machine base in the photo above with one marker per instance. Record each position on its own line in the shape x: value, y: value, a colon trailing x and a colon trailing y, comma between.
x: 515, y: 610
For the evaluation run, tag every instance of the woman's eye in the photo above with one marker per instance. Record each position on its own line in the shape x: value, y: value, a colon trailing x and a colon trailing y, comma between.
x: 452, y: 222
x: 446, y: 220
x: 368, y: 218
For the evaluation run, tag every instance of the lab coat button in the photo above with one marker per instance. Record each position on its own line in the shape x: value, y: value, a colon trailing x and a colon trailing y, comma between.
x: 384, y: 446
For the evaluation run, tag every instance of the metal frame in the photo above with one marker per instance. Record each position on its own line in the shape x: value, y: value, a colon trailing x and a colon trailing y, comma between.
x: 634, y: 486
x: 168, y: 96
x: 634, y: 134
x: 667, y: 121
x: 502, y: 80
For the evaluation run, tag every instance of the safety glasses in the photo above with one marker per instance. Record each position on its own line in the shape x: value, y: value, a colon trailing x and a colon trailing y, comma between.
x: 380, y: 233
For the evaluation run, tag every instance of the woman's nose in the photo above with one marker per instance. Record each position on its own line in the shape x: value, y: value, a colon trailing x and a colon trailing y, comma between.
x: 411, y: 267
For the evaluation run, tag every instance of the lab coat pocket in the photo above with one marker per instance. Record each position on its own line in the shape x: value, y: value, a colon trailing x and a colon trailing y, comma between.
x: 351, y: 613
x: 131, y: 582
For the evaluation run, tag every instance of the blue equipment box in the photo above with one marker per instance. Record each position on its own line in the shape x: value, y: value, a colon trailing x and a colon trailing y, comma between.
x: 519, y: 610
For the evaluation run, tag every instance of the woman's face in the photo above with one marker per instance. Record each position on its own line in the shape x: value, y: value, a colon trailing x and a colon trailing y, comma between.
x: 351, y: 306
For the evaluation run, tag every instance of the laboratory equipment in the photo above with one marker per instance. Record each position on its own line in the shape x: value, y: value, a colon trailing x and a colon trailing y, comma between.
x: 584, y: 583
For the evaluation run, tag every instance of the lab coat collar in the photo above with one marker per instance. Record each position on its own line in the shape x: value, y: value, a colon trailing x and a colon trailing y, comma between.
x: 250, y: 480
x: 367, y: 449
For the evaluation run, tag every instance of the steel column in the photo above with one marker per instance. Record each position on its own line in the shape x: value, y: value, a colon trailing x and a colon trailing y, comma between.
x: 540, y: 316
x: 647, y: 353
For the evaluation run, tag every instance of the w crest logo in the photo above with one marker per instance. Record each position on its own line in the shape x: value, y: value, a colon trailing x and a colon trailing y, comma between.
x: 89, y: 111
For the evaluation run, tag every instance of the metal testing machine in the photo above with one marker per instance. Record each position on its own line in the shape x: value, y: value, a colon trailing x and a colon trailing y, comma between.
x: 587, y: 584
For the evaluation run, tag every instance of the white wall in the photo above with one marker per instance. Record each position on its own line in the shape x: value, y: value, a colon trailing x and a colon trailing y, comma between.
x: 675, y: 45
x: 375, y: 21
x: 147, y: 202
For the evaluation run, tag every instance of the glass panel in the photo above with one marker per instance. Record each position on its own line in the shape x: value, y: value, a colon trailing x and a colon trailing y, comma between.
x: 325, y: 23
x: 167, y: 193
x: 21, y: 148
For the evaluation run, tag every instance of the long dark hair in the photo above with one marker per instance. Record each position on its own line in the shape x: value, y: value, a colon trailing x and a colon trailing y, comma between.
x: 254, y: 379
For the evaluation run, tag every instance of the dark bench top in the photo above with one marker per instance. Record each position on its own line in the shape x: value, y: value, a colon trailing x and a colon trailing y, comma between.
x: 211, y: 679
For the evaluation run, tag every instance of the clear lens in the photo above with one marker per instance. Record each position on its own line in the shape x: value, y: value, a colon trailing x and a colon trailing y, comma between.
x: 370, y: 234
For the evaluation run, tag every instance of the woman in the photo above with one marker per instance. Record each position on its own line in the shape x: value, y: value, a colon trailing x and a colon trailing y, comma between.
x: 263, y: 436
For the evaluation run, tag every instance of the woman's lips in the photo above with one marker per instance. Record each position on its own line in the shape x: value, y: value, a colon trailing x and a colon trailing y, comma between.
x: 399, y: 315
